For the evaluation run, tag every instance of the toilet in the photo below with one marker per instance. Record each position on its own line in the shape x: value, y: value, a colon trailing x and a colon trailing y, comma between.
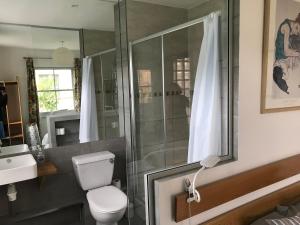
x: 94, y: 174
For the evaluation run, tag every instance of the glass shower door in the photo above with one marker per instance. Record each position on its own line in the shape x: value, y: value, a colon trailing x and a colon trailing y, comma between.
x: 181, y: 52
x: 163, y: 69
x: 147, y: 82
x: 110, y: 92
x: 104, y: 65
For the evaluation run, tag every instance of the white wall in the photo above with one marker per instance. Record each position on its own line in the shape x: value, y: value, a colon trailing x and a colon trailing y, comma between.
x: 263, y: 138
x: 12, y: 64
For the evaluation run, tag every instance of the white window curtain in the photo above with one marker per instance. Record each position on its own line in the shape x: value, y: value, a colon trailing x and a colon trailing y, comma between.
x: 88, y: 130
x: 205, y: 124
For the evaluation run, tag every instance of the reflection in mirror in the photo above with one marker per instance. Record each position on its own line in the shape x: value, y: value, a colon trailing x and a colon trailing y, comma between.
x: 181, y: 82
x: 41, y: 74
x: 59, y: 94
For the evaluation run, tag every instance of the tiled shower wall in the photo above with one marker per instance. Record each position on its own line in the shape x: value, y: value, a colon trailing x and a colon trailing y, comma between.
x: 95, y: 41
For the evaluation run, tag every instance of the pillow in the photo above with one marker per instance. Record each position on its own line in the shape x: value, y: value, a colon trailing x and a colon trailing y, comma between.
x: 262, y: 220
x: 295, y: 207
x: 285, y: 221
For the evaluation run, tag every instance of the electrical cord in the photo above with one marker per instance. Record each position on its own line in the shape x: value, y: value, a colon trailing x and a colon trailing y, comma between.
x: 196, y: 194
x: 188, y: 189
x: 190, y: 214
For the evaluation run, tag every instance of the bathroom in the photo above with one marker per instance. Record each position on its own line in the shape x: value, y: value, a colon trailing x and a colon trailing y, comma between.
x: 112, y: 79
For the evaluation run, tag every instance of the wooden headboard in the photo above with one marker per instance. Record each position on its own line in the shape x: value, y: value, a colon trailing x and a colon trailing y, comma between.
x: 222, y: 191
x: 248, y: 213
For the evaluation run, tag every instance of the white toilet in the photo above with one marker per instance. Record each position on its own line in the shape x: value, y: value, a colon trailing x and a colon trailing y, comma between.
x: 94, y: 173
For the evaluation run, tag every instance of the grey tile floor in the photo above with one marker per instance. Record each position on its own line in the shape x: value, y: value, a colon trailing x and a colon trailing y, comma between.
x: 66, y: 216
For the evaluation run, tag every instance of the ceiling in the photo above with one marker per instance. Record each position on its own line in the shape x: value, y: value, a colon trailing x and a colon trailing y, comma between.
x: 37, y: 38
x: 185, y: 4
x: 89, y: 14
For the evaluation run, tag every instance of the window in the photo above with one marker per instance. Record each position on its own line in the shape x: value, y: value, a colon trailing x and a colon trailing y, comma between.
x: 182, y: 77
x: 55, y: 89
x: 145, y: 86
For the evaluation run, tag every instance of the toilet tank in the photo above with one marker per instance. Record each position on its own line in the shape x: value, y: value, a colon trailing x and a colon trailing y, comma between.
x: 94, y: 170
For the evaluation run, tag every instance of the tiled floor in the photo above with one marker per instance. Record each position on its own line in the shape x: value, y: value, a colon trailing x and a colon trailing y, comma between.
x: 137, y: 221
x: 122, y: 222
x: 66, y: 216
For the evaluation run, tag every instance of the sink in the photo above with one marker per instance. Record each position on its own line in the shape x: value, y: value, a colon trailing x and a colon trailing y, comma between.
x: 13, y: 150
x: 17, y: 168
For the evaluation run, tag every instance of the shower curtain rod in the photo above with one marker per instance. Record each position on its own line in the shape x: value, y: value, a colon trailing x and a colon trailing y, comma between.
x: 37, y: 58
x: 172, y: 29
x: 101, y: 53
x: 90, y: 56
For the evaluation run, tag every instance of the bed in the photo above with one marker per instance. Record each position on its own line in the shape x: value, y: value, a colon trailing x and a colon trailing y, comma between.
x: 256, y: 212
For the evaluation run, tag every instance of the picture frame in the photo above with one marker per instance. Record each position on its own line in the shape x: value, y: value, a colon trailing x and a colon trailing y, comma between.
x: 280, y: 86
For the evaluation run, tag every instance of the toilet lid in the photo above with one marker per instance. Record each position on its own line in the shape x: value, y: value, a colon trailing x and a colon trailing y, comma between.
x: 107, y: 199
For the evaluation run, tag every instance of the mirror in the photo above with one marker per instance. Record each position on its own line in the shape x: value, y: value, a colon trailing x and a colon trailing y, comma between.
x: 41, y: 72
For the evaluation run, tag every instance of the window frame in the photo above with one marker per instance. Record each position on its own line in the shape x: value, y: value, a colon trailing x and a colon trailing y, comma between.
x: 145, y: 97
x: 55, y: 90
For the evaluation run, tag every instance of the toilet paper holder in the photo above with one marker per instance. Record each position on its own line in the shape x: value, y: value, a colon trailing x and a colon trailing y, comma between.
x: 117, y: 183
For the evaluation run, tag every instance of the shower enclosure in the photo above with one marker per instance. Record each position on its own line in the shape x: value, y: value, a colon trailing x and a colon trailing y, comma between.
x: 162, y: 74
x: 163, y: 55
x: 106, y: 93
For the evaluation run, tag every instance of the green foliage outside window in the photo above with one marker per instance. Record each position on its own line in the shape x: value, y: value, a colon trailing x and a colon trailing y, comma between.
x: 47, y: 100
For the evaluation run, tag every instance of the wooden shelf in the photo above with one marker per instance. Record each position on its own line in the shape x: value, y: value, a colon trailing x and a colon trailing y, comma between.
x: 46, y: 169
x: 13, y: 120
x: 15, y: 123
x: 9, y: 82
x: 14, y: 136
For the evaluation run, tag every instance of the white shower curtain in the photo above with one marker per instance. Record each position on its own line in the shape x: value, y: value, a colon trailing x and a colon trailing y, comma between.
x: 205, y: 124
x: 88, y: 130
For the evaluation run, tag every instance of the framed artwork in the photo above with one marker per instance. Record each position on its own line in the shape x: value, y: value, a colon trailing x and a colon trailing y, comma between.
x: 281, y: 56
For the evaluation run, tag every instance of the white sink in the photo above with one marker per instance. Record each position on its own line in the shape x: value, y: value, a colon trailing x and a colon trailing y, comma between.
x: 17, y: 168
x: 14, y: 149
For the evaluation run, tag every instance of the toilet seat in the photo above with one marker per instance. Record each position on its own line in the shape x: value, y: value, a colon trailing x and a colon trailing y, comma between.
x: 108, y: 199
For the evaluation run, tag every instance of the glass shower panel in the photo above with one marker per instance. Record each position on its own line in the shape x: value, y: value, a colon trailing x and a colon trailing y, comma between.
x: 149, y: 113
x: 99, y: 95
x: 110, y: 92
x: 148, y: 85
x: 108, y: 61
x: 106, y: 95
x: 181, y: 53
